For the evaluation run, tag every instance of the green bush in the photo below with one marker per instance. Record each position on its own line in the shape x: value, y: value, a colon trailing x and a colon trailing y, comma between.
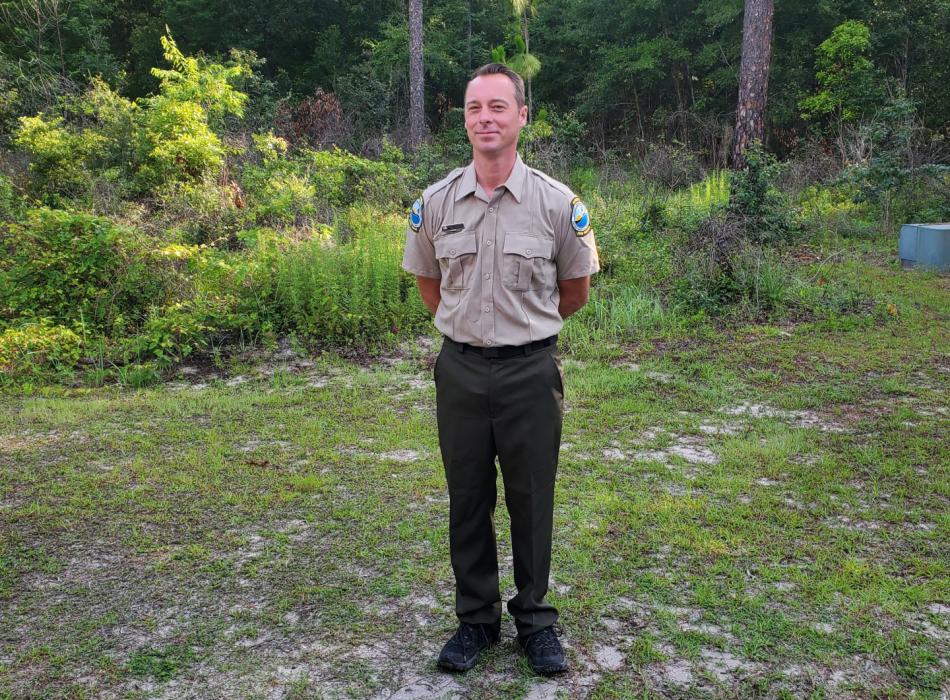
x: 311, y: 185
x: 135, y: 146
x: 77, y: 269
x: 174, y: 332
x: 198, y: 211
x: 38, y: 350
x: 765, y: 212
x: 61, y: 159
x: 552, y: 142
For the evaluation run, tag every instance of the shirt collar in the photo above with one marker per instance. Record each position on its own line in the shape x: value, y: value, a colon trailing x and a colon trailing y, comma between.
x: 514, y: 183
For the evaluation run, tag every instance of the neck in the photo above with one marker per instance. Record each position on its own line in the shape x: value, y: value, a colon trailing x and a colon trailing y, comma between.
x: 493, y: 171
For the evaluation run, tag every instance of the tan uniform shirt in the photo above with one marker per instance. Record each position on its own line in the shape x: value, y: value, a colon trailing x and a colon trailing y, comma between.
x: 499, y: 258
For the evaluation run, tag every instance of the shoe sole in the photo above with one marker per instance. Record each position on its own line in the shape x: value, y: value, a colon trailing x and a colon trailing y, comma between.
x: 549, y: 670
x: 458, y: 668
x: 449, y: 666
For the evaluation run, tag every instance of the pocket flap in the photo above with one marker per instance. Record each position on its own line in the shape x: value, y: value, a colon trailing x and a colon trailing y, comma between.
x: 454, y: 245
x: 528, y: 246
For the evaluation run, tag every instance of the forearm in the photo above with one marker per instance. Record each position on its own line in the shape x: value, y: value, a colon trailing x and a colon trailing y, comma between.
x: 573, y: 295
x: 430, y: 291
x: 568, y: 305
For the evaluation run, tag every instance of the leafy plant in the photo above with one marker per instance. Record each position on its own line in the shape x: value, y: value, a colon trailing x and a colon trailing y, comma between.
x: 38, y: 350
x: 76, y: 269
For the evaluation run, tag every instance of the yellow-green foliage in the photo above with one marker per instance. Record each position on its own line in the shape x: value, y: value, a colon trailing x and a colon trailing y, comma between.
x: 347, y: 178
x: 313, y: 184
x: 62, y: 158
x: 694, y: 203
x: 10, y: 202
x: 198, y: 81
x: 194, y: 95
x: 163, y: 138
x: 178, y: 143
x: 35, y: 349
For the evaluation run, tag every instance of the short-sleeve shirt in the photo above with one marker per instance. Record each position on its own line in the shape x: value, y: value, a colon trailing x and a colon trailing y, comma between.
x: 499, y: 258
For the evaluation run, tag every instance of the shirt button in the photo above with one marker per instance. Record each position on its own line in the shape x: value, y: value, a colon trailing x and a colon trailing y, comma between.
x: 489, y: 242
x: 491, y: 210
x: 487, y: 309
x: 528, y: 251
x: 452, y: 252
x: 488, y: 275
x: 489, y: 342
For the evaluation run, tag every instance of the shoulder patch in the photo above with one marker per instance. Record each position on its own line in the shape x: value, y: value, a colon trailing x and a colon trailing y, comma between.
x: 415, y: 215
x: 580, y: 218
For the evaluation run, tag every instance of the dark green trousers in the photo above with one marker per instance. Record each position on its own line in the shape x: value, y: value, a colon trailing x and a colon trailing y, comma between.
x: 511, y: 408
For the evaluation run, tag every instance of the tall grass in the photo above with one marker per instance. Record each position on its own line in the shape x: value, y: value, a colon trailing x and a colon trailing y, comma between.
x: 615, y: 314
x: 349, y: 289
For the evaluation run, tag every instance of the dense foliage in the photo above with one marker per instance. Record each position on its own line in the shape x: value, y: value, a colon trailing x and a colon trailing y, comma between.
x: 629, y: 70
x: 150, y: 212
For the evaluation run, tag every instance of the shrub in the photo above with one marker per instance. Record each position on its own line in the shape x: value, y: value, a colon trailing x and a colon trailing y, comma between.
x: 200, y: 211
x: 888, y: 178
x: 38, y: 350
x: 177, y: 144
x: 672, y: 165
x: 764, y: 211
x: 76, y: 269
x: 61, y: 159
x: 167, y: 137
x: 313, y: 184
x: 174, y: 332
x: 552, y: 142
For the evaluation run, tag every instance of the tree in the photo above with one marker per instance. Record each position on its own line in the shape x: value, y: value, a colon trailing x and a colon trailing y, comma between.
x: 753, y: 76
x: 524, y: 63
x: 417, y: 117
x: 849, y: 86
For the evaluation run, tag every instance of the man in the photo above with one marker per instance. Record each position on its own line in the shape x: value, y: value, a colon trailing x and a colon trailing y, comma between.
x: 502, y: 254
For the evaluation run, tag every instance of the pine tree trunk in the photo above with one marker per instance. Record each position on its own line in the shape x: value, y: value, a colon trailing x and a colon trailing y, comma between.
x: 527, y: 50
x: 753, y: 76
x: 417, y: 124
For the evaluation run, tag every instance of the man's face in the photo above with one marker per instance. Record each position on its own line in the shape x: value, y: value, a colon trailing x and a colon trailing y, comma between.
x: 493, y: 119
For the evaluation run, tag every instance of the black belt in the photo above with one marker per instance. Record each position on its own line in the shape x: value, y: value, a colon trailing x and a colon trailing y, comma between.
x: 504, y: 351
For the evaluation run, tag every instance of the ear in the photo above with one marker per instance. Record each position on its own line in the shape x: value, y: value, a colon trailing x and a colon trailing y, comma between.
x: 523, y: 115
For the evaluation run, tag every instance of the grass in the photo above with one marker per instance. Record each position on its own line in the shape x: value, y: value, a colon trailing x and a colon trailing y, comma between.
x: 750, y: 512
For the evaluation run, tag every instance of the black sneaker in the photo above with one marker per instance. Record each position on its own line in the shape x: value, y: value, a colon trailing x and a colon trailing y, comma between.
x: 461, y: 652
x: 544, y: 652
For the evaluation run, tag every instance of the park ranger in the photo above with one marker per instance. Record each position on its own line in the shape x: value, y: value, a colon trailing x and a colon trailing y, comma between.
x: 502, y: 254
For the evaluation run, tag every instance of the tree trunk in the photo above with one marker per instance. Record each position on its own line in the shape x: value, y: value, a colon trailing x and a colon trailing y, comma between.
x: 527, y: 50
x: 417, y: 123
x: 753, y: 76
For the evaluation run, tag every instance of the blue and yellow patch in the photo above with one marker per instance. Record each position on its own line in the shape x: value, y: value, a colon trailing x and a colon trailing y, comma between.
x: 580, y: 218
x: 415, y: 215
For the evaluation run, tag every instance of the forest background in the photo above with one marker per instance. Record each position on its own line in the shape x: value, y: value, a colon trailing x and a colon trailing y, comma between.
x: 182, y: 176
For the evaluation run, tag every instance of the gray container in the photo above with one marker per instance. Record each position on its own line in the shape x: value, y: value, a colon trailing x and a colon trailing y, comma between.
x: 925, y: 245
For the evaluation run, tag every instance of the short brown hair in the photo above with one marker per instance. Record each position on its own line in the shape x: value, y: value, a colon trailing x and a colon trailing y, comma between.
x: 502, y: 69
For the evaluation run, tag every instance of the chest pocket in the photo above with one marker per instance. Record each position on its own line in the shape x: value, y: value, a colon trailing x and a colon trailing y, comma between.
x: 456, y: 254
x: 527, y: 262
